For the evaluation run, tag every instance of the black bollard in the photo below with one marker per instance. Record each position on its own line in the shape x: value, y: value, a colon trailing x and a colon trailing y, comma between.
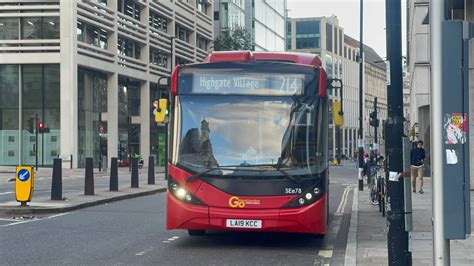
x: 57, y: 182
x: 151, y: 170
x: 89, y: 179
x: 114, y: 174
x: 135, y: 172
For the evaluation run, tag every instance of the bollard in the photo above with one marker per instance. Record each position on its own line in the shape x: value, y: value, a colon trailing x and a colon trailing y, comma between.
x: 135, y: 172
x: 57, y: 183
x: 151, y: 170
x: 89, y: 178
x: 114, y: 174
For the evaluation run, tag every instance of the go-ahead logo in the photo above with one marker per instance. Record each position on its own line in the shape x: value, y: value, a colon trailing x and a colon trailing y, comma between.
x: 236, y: 202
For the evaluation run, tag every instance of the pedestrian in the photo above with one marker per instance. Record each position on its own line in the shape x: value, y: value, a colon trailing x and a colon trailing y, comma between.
x: 417, y: 158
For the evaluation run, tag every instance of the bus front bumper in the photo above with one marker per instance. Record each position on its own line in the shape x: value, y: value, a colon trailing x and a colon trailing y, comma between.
x: 308, y: 219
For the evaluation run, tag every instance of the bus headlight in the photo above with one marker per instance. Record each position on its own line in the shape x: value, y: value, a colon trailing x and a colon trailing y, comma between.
x: 181, y: 193
x: 308, y: 196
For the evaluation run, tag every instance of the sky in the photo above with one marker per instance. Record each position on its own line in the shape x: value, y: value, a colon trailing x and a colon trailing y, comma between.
x: 347, y: 12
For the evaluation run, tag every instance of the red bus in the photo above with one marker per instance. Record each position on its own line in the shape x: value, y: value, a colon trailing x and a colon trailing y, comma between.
x: 249, y: 144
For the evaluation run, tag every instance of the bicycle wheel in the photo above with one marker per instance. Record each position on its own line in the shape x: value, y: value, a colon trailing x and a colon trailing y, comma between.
x: 373, y: 195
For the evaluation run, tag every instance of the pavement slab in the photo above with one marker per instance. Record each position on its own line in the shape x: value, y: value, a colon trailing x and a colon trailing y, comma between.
x: 371, y: 233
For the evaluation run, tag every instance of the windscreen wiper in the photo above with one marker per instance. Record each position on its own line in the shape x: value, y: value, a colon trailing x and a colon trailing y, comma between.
x: 197, y: 175
x: 294, y: 179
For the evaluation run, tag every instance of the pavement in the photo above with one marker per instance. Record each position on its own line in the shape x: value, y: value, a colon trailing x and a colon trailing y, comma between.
x: 367, y: 239
x: 73, y: 191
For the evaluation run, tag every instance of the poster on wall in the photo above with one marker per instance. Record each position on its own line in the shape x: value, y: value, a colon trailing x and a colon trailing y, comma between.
x: 455, y: 126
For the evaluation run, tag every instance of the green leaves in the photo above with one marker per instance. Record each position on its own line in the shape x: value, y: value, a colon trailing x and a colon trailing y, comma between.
x: 233, y: 40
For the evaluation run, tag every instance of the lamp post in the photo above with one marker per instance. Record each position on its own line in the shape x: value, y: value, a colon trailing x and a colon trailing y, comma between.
x: 361, y: 98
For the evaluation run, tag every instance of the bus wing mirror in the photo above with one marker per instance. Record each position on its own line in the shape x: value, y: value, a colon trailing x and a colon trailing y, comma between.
x: 160, y: 112
x: 338, y: 115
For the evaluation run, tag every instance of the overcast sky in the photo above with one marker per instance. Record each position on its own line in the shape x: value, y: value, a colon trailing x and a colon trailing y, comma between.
x: 347, y: 12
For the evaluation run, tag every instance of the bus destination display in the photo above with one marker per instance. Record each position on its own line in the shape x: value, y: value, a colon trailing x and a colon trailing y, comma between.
x: 260, y: 84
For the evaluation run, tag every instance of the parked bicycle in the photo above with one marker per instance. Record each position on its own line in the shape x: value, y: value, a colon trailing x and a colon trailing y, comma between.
x: 377, y: 185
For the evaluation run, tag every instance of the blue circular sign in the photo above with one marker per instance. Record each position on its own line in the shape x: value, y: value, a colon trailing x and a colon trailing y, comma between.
x: 23, y: 175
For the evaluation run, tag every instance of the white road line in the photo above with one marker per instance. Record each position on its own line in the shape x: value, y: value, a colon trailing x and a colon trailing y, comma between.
x: 346, y: 199
x: 343, y: 198
x: 8, y: 220
x: 35, y: 220
x: 5, y: 193
x: 325, y: 253
x: 141, y: 253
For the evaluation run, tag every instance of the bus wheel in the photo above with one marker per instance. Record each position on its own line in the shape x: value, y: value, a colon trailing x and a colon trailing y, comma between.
x: 196, y: 232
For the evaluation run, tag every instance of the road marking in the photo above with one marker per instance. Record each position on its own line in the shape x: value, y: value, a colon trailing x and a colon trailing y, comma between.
x: 141, y: 253
x: 8, y: 220
x: 5, y: 193
x: 171, y: 239
x: 325, y: 253
x: 342, y: 204
x: 35, y: 220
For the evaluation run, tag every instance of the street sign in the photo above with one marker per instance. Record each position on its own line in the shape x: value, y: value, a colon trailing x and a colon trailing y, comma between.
x: 24, y: 184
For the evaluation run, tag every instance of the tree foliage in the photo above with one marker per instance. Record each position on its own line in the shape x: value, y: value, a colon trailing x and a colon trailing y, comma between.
x: 235, y: 40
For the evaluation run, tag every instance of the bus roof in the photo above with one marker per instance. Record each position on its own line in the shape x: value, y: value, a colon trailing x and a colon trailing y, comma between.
x: 238, y: 56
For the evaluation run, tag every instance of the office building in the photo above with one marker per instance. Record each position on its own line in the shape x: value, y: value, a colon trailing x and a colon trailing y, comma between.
x: 90, y: 70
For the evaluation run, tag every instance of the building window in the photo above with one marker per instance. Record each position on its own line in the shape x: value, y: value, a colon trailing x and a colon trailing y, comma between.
x: 40, y: 28
x: 41, y: 95
x: 9, y: 111
x: 129, y: 8
x: 126, y: 47
x: 329, y: 37
x: 202, y: 43
x: 159, y: 58
x: 92, y: 104
x: 182, y: 33
x: 9, y: 28
x: 92, y: 35
x: 158, y: 22
x: 182, y: 61
x: 307, y: 35
x: 202, y: 6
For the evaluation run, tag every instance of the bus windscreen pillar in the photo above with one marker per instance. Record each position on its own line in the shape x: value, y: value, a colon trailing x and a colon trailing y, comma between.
x: 455, y: 121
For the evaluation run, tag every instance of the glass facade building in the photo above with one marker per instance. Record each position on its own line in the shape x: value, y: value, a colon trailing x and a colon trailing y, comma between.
x: 29, y: 91
x: 93, y: 91
x: 266, y: 21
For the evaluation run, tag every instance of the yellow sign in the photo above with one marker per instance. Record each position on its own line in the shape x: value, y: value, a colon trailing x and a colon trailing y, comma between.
x: 160, y: 112
x: 24, y: 183
x: 235, y: 202
x: 337, y: 114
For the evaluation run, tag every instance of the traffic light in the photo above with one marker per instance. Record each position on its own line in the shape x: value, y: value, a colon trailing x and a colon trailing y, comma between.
x: 41, y: 128
x: 160, y: 110
x: 337, y: 113
x: 31, y: 124
x: 134, y: 134
x: 373, y: 121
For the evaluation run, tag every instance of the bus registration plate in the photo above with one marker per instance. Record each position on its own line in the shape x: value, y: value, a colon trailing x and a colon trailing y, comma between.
x: 244, y: 223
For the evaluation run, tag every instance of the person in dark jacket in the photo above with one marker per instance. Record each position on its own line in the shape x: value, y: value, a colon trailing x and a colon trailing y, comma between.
x: 417, y: 158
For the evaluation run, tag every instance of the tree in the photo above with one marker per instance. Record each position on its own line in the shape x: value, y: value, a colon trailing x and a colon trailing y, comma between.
x: 233, y: 40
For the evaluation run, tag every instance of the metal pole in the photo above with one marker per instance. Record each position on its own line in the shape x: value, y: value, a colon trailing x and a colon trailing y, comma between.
x: 360, y: 142
x: 441, y: 252
x: 36, y: 140
x: 376, y: 125
x: 397, y: 238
